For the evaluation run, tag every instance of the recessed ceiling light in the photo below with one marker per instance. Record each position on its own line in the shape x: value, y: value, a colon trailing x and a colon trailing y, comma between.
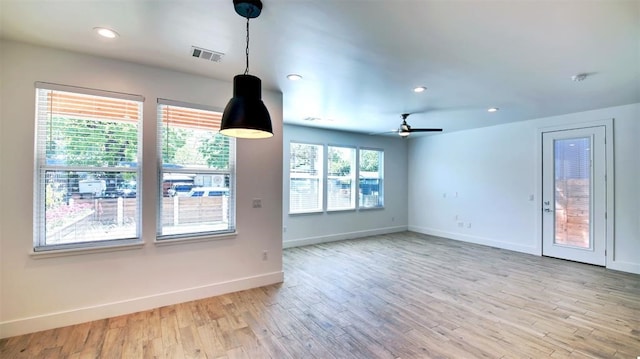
x: 294, y: 77
x: 493, y: 109
x: 106, y: 33
x: 419, y: 89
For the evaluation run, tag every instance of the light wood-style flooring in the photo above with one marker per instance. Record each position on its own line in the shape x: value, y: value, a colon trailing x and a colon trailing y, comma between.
x: 394, y: 296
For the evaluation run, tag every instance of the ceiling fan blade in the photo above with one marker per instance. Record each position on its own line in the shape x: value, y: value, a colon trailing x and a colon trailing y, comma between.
x: 425, y: 130
x: 383, y: 132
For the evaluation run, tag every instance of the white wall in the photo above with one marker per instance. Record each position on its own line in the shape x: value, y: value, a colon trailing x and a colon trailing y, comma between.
x: 302, y: 229
x: 494, y: 170
x: 40, y: 293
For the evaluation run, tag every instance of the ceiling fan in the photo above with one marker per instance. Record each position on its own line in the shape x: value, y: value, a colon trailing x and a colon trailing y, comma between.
x: 405, y: 130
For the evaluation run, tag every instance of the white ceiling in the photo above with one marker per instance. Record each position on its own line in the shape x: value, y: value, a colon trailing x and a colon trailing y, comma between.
x: 360, y: 59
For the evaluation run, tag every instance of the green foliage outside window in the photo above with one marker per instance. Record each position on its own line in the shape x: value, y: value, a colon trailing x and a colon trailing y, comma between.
x: 338, y: 165
x: 215, y: 150
x: 172, y: 140
x: 92, y: 143
x: 369, y: 161
x: 304, y: 157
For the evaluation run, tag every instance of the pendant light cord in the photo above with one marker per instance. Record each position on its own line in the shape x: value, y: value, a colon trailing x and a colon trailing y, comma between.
x: 246, y: 71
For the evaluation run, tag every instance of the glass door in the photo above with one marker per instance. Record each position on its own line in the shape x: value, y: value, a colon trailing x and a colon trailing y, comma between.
x: 574, y: 195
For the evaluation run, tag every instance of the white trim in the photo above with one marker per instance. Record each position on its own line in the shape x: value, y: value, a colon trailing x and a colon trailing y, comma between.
x: 171, y: 240
x: 608, y: 124
x: 476, y: 240
x: 628, y: 267
x: 341, y: 236
x: 164, y: 101
x: 538, y: 192
x: 88, y: 91
x: 47, y: 321
x: 85, y: 248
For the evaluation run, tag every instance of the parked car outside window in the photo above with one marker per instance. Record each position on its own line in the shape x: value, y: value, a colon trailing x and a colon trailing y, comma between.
x: 180, y: 189
x: 127, y: 190
x: 208, y: 192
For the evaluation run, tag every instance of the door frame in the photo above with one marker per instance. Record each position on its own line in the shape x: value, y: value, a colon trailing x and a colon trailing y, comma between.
x: 610, y: 181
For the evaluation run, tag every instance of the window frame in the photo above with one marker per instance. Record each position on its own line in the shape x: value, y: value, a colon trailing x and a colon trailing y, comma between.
x: 41, y: 167
x: 382, y: 181
x: 356, y: 179
x: 168, y: 238
x: 320, y: 178
x: 353, y: 174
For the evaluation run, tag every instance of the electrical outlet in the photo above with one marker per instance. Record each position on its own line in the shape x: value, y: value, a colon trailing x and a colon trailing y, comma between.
x: 469, y: 225
x: 265, y: 255
x: 460, y: 224
x: 257, y: 203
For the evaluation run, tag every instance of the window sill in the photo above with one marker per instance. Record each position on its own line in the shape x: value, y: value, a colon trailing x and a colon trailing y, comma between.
x: 172, y: 240
x: 53, y: 253
x: 370, y: 208
x: 305, y: 213
x: 338, y: 210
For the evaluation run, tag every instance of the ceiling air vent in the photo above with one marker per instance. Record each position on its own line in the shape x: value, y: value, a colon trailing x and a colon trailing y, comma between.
x: 205, y: 54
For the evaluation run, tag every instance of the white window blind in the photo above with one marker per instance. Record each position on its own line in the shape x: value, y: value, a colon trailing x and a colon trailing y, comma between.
x: 305, y: 178
x: 87, y: 157
x: 371, y: 178
x: 197, y: 192
x: 341, y: 180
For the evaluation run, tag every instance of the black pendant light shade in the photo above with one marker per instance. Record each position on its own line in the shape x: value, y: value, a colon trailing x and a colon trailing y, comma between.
x: 246, y: 116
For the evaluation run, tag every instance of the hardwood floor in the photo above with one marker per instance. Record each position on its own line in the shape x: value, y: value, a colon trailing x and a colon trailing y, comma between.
x: 396, y: 296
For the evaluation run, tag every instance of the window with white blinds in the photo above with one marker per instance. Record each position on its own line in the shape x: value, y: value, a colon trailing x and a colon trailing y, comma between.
x: 371, y: 178
x: 87, y: 155
x: 341, y: 178
x: 348, y: 178
x: 197, y: 192
x: 305, y: 178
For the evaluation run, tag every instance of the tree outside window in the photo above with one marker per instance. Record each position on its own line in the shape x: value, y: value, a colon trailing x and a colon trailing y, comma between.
x: 341, y: 183
x: 87, y: 154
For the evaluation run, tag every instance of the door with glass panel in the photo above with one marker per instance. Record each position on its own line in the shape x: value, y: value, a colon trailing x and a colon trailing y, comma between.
x: 574, y: 195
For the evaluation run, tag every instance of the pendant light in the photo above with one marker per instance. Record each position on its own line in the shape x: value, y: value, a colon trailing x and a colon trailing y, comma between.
x: 246, y: 116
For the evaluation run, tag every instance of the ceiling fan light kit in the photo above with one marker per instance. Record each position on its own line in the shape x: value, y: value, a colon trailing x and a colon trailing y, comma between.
x: 405, y: 130
x: 579, y: 77
x: 246, y: 116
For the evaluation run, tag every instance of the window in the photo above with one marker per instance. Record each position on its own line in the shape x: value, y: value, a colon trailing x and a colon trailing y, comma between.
x: 87, y: 157
x: 354, y: 178
x: 198, y: 172
x: 305, y: 178
x: 341, y: 180
x: 371, y: 178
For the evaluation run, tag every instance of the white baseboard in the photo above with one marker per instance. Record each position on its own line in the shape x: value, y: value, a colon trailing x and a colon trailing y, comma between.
x: 477, y: 240
x: 624, y: 266
x: 628, y: 267
x: 107, y: 310
x: 341, y: 236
